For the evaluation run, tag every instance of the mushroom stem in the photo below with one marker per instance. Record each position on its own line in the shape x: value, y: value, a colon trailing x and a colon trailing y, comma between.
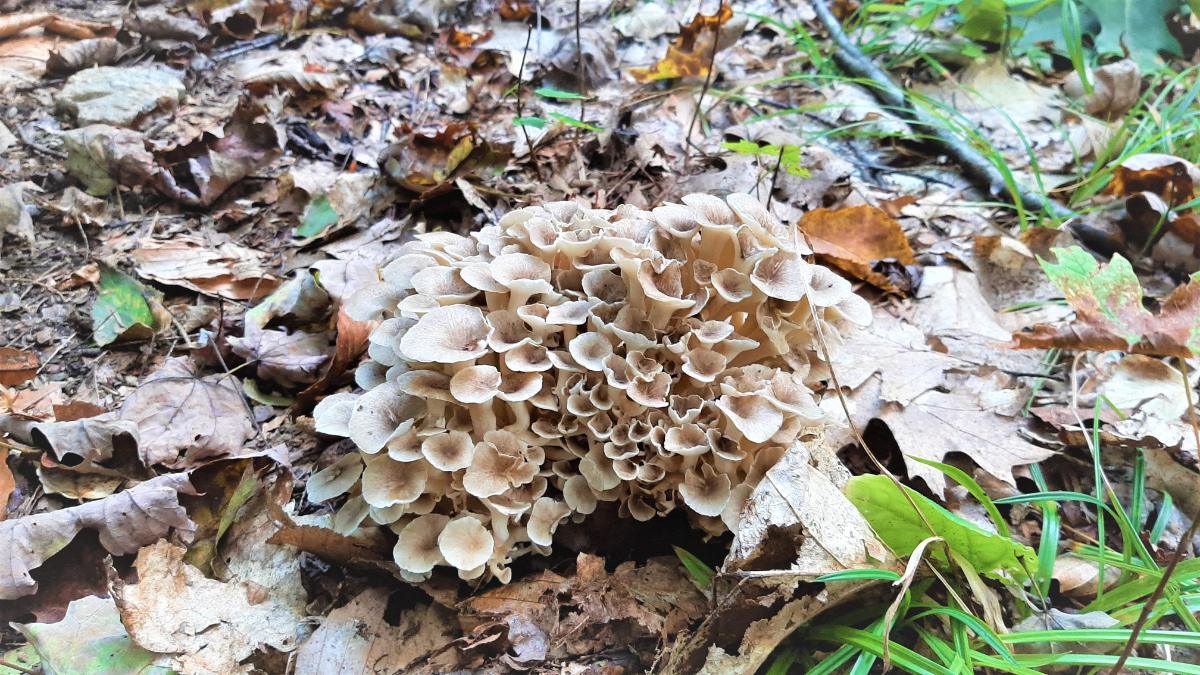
x: 483, y: 418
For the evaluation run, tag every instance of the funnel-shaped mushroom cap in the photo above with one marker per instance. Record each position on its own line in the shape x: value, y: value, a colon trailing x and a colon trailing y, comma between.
x: 709, y: 208
x: 465, y: 543
x: 508, y: 331
x: 732, y: 285
x: 828, y: 289
x: 855, y: 309
x: 678, y: 220
x: 443, y: 283
x: 712, y: 332
x: 450, y: 451
x: 528, y: 358
x: 579, y: 495
x: 378, y: 413
x: 754, y: 416
x: 604, y: 285
x: 705, y: 491
x: 687, y: 440
x: 479, y: 275
x: 386, y: 482
x: 590, y: 350
x: 544, y: 519
x: 783, y: 275
x: 522, y: 273
x: 399, y: 272
x: 789, y: 394
x: 426, y: 384
x: 703, y: 365
x: 372, y: 301
x: 475, y: 384
x: 652, y: 394
x: 332, y: 414
x: 516, y: 387
x: 451, y: 334
x: 335, y: 479
x: 573, y: 313
x: 416, y: 547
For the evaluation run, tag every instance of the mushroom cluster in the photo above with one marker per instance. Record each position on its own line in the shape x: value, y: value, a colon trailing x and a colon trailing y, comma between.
x: 569, y: 356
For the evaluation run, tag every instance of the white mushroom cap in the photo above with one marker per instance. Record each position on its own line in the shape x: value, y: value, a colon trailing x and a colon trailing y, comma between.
x: 528, y: 358
x: 687, y: 440
x: 783, y: 274
x: 754, y: 416
x: 705, y: 491
x: 332, y: 414
x: 450, y: 451
x: 732, y: 285
x: 590, y: 350
x: 475, y: 384
x: 703, y: 365
x: 370, y: 301
x: 572, y: 313
x: 379, y: 413
x: 508, y: 331
x: 425, y: 384
x: 444, y: 283
x: 465, y: 544
x: 399, y: 272
x: 416, y: 547
x: 522, y: 273
x: 516, y: 387
x: 579, y: 495
x: 828, y: 289
x: 544, y: 519
x: 335, y: 479
x: 451, y: 334
x: 386, y: 482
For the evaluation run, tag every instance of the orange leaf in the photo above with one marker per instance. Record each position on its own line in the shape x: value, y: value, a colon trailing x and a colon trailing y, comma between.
x: 351, y: 343
x: 862, y: 241
x: 17, y: 366
x: 1172, y: 178
x: 689, y: 54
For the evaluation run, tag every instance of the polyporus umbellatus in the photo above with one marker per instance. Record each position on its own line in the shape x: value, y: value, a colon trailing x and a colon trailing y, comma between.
x: 569, y: 356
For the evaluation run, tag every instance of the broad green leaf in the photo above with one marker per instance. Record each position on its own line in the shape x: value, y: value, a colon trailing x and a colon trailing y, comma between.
x: 255, y: 393
x: 789, y: 157
x: 120, y: 310
x: 1109, y: 314
x: 550, y: 92
x: 984, y: 20
x: 317, y: 217
x: 1136, y: 26
x: 535, y: 122
x: 902, y: 528
x: 700, y: 574
x: 89, y: 639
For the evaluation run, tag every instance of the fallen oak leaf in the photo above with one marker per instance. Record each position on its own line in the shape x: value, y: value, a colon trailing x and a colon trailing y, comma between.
x: 90, y: 638
x: 1109, y: 312
x: 126, y: 521
x: 8, y: 483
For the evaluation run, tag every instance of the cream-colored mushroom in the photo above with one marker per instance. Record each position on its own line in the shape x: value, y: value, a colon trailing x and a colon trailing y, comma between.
x: 386, y: 482
x: 705, y: 491
x: 450, y: 334
x: 465, y: 544
x: 450, y: 451
x: 544, y: 519
x: 416, y: 547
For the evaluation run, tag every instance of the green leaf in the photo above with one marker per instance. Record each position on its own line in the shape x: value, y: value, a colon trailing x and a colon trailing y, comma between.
x: 317, y: 217
x: 578, y: 124
x: 89, y: 639
x: 536, y: 122
x: 550, y: 92
x: 1113, y: 290
x: 902, y: 529
x: 984, y: 20
x: 859, y: 575
x: 789, y: 157
x: 255, y: 393
x: 700, y: 574
x: 1139, y: 26
x: 120, y: 311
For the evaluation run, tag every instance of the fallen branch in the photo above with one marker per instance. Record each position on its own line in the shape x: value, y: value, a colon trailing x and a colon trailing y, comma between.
x: 974, y: 165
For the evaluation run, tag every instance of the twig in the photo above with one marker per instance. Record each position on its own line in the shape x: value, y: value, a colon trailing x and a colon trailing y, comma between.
x: 975, y: 165
x: 579, y: 65
x: 1177, y: 555
x: 775, y: 175
x: 712, y: 60
x: 520, y: 81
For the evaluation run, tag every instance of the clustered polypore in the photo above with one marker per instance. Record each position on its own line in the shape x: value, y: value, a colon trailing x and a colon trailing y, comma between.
x: 570, y: 356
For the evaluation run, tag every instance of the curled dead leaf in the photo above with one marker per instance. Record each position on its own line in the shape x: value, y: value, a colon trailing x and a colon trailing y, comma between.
x: 76, y: 56
x: 865, y: 242
x: 690, y: 53
x: 226, y: 269
x: 1173, y: 179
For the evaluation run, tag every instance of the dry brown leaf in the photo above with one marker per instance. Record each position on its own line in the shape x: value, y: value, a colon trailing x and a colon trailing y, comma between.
x: 290, y: 360
x: 331, y: 546
x: 183, y: 418
x: 207, y: 625
x: 690, y: 53
x: 349, y: 345
x: 226, y: 269
x: 54, y: 23
x: 17, y: 366
x: 89, y: 440
x: 157, y: 23
x: 862, y: 241
x: 355, y: 638
x: 1173, y: 179
x: 896, y: 350
x: 1115, y: 89
x: 428, y: 157
x: 126, y: 521
x: 76, y: 56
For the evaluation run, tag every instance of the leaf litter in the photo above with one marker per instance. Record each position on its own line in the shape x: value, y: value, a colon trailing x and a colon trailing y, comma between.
x: 194, y: 197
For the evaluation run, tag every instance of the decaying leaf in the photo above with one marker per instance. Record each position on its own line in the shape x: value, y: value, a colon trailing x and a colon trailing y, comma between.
x: 159, y: 23
x: 92, y: 439
x: 120, y: 311
x: 1115, y: 88
x: 689, y: 54
x: 863, y: 241
x: 1109, y: 313
x: 426, y: 158
x: 183, y: 418
x: 226, y: 269
x: 349, y: 345
x: 126, y: 521
x: 7, y: 483
x: 79, y: 29
x: 1173, y: 179
x: 119, y: 97
x: 17, y: 366
x: 355, y: 638
x: 207, y: 625
x: 84, y: 54
x: 89, y: 639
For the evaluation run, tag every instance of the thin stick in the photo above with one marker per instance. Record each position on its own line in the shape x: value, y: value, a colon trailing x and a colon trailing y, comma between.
x: 1177, y: 555
x: 712, y: 60
x: 775, y: 176
x: 520, y: 81
x: 975, y: 165
x: 579, y: 65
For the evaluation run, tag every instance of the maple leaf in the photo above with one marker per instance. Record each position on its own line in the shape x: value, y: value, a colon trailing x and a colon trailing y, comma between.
x: 689, y: 54
x: 1109, y: 313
